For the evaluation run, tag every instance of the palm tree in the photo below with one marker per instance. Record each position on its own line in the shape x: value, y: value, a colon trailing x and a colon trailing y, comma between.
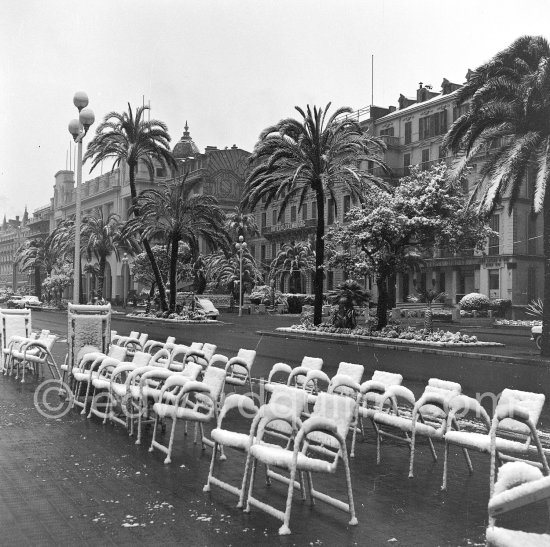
x: 509, y: 100
x: 170, y: 214
x: 295, y: 158
x: 39, y: 255
x: 243, y: 224
x: 293, y: 259
x: 428, y: 297
x: 103, y: 237
x: 131, y: 139
x: 347, y: 296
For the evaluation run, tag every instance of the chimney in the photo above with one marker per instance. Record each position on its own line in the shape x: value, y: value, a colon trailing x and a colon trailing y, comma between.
x: 392, y: 109
x: 210, y: 148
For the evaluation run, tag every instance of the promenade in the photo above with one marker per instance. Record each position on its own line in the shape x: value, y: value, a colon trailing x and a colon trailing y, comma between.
x: 72, y: 480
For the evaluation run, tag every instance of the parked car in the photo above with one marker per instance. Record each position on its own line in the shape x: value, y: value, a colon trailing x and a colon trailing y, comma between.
x: 27, y: 301
x: 536, y: 335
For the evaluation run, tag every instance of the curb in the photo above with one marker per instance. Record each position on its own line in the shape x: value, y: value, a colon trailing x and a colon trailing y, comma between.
x: 410, y: 348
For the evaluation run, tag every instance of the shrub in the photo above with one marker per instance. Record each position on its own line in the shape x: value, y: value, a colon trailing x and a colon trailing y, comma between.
x: 474, y: 301
x: 500, y: 306
x: 295, y: 302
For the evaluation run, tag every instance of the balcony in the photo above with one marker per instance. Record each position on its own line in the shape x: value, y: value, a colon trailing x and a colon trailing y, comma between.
x: 299, y: 227
x: 391, y: 141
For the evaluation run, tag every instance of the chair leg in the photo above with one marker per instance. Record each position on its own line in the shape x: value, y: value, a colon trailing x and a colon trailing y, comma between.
x: 378, y: 447
x: 468, y: 460
x: 411, y: 459
x: 171, y: 442
x: 432, y: 448
x: 310, y: 487
x: 243, y: 485
x: 206, y: 487
x: 353, y: 518
x: 445, y: 463
x: 251, y: 484
x: 154, y: 437
x: 92, y: 405
x: 284, y: 530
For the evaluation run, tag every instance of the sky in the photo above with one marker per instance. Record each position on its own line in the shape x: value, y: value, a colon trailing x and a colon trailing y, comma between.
x: 229, y: 68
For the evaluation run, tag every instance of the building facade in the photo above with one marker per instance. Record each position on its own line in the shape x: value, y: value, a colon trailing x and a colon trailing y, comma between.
x: 512, y: 266
x: 13, y: 233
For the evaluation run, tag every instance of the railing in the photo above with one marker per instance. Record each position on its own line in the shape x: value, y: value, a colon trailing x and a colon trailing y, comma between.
x: 391, y: 141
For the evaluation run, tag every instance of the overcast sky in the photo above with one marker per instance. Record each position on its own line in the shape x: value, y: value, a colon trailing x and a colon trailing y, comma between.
x: 229, y: 67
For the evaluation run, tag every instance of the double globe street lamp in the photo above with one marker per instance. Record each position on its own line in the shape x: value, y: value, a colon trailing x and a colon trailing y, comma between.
x: 241, y: 247
x: 78, y: 129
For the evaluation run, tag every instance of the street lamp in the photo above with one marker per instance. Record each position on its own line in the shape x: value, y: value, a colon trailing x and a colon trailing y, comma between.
x: 78, y: 129
x: 124, y: 278
x: 241, y: 246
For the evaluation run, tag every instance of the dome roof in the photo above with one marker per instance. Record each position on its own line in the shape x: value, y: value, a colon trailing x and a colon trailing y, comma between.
x: 185, y: 148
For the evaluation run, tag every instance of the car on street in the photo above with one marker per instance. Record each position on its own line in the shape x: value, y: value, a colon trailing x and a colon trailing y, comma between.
x: 536, y: 335
x: 27, y: 301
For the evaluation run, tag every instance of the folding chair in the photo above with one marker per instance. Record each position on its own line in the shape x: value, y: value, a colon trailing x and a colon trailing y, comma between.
x: 205, y: 409
x: 238, y: 368
x: 318, y: 445
x: 13, y: 323
x: 227, y: 438
x: 519, y: 486
x: 510, y: 436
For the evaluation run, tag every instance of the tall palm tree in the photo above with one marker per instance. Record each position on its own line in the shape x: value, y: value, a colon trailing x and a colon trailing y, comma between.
x: 293, y: 259
x: 169, y: 214
x: 102, y: 237
x: 131, y: 138
x: 295, y: 158
x: 240, y: 223
x: 509, y: 98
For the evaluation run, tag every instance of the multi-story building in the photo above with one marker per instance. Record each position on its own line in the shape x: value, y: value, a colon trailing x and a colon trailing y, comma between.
x: 13, y: 233
x: 513, y: 265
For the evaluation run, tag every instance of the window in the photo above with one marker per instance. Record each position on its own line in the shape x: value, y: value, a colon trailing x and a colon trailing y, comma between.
x: 494, y: 224
x: 408, y: 132
x: 253, y: 251
x: 531, y: 234
x: 433, y: 125
x: 441, y: 282
x: 406, y: 164
x: 425, y: 158
x: 330, y: 211
x: 313, y: 209
x: 330, y: 280
x: 262, y: 253
x: 347, y: 205
x: 304, y: 211
x: 161, y: 172
x: 494, y: 280
x: 293, y: 213
x: 273, y: 250
x: 459, y: 111
x: 531, y: 284
x: 274, y: 217
x: 387, y: 132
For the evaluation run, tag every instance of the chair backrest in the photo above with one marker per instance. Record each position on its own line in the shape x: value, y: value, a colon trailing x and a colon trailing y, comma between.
x: 134, y: 334
x: 171, y: 340
x: 214, y: 378
x: 337, y: 408
x: 287, y: 402
x: 387, y: 378
x: 141, y: 358
x: 143, y: 338
x: 88, y: 326
x: 14, y: 324
x: 532, y: 403
x: 191, y: 370
x: 435, y: 384
x: 354, y: 371
x: 117, y: 352
x: 209, y: 350
x: 312, y: 362
x: 160, y: 359
x: 247, y: 355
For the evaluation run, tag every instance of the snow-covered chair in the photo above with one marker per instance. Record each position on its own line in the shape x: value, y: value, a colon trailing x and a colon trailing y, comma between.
x: 202, y: 356
x: 101, y: 382
x: 194, y: 402
x: 227, y: 438
x: 353, y: 370
x: 178, y: 355
x: 16, y: 344
x: 519, y: 485
x: 87, y: 326
x: 238, y: 369
x: 119, y: 408
x: 152, y: 346
x: 37, y: 354
x: 315, y: 382
x: 13, y: 323
x: 318, y: 446
x: 291, y: 376
x: 141, y: 358
x: 510, y: 436
x: 87, y: 370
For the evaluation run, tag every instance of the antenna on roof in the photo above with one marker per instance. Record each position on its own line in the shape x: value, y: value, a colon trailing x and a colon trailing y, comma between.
x: 372, y: 80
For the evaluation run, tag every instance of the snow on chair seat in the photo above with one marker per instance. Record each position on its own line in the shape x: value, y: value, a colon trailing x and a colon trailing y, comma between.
x: 519, y: 485
x: 332, y: 416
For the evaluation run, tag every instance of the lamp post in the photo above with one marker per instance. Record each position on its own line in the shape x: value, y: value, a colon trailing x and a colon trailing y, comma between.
x: 78, y: 129
x: 124, y: 279
x: 241, y: 246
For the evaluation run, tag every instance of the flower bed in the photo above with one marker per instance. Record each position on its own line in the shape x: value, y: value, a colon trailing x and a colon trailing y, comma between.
x: 176, y: 318
x: 409, y: 335
x: 518, y: 323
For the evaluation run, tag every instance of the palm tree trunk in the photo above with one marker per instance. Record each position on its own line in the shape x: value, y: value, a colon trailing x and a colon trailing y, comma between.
x: 150, y: 297
x: 37, y: 282
x: 382, y: 306
x: 545, y: 341
x: 173, y: 271
x: 146, y: 245
x: 101, y: 277
x: 319, y: 258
